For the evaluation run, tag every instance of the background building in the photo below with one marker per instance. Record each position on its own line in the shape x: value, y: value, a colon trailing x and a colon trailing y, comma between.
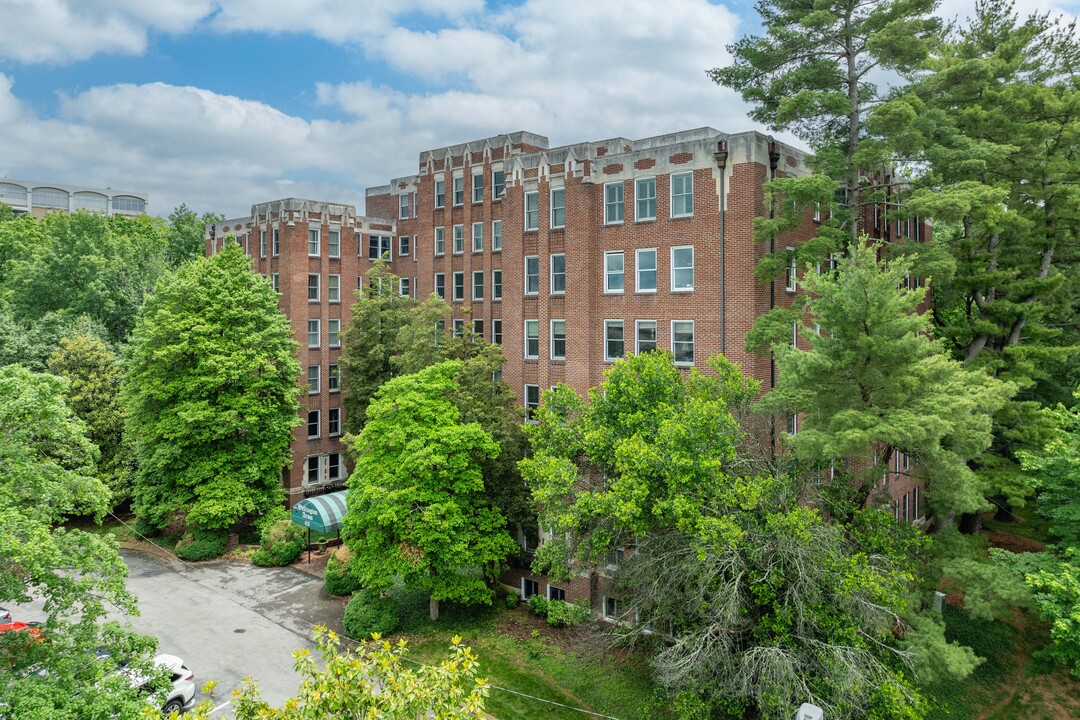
x: 40, y: 198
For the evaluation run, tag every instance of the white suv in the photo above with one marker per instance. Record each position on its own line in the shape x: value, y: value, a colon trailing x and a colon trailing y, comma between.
x: 183, y: 689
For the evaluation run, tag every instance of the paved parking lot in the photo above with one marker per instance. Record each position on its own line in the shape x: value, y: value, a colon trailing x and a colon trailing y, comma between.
x: 229, y: 620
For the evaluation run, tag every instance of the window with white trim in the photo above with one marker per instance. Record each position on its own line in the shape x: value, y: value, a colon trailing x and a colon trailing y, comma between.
x: 558, y: 274
x: 459, y: 327
x: 313, y: 242
x: 529, y: 588
x: 333, y: 244
x: 459, y: 239
x: 440, y: 194
x: 478, y: 237
x: 645, y: 270
x: 645, y: 336
x: 403, y: 246
x: 275, y: 247
x: 403, y: 206
x: 682, y: 341
x: 459, y: 191
x: 792, y: 271
x: 682, y: 268
x: 478, y: 285
x: 459, y: 286
x: 558, y: 208
x: 333, y: 288
x: 532, y: 401
x: 614, y: 345
x: 478, y: 327
x: 793, y: 424
x: 613, y: 272
x: 645, y: 199
x: 611, y: 608
x: 496, y: 284
x: 558, y: 339
x: 312, y: 379
x: 333, y: 378
x: 379, y: 247
x: 440, y: 285
x: 313, y: 287
x: 333, y: 466
x: 496, y: 235
x: 262, y: 243
x: 313, y: 424
x: 311, y: 469
x: 817, y: 212
x: 682, y: 194
x: 275, y: 282
x: 556, y: 593
x: 478, y: 187
x: 313, y: 333
x: 496, y: 331
x: 403, y: 287
x: 440, y: 240
x: 333, y: 332
x: 498, y: 184
x: 613, y: 203
x: 532, y: 339
x: 532, y: 275
x: 532, y: 210
x: 794, y: 333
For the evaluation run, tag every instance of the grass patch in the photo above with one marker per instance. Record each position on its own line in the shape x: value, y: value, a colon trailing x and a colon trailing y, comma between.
x: 122, y: 531
x: 1027, y: 523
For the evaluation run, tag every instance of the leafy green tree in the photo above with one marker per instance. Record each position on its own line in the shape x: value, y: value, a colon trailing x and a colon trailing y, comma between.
x: 187, y: 233
x: 372, y: 680
x: 1057, y: 596
x: 417, y: 506
x: 211, y: 393
x: 48, y: 475
x: 87, y: 264
x: 874, y: 383
x: 810, y: 73
x: 1057, y: 472
x: 95, y: 376
x: 30, y: 343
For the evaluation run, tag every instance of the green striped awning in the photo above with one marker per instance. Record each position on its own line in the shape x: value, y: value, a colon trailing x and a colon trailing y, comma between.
x: 322, y: 513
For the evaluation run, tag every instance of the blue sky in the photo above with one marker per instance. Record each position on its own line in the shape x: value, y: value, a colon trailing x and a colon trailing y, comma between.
x: 224, y: 103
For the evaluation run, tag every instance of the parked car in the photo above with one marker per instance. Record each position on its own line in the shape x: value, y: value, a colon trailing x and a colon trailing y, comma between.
x: 5, y: 615
x: 179, y: 696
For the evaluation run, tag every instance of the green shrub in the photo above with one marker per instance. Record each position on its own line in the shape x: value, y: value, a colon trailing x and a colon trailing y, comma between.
x: 337, y: 578
x: 539, y: 605
x: 368, y: 613
x: 202, y: 545
x: 512, y: 600
x: 563, y: 614
x: 282, y: 542
x: 262, y: 558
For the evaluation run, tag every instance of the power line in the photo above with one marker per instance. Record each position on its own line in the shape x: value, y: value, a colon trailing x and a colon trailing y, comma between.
x: 233, y: 600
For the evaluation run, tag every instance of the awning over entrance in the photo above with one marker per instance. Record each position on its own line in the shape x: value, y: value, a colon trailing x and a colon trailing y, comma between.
x: 322, y: 513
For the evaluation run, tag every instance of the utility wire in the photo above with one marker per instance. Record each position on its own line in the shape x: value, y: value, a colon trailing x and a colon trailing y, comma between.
x: 233, y: 600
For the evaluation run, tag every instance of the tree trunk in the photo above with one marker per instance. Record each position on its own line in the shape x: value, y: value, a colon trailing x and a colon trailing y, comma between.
x: 433, y: 609
x: 970, y: 523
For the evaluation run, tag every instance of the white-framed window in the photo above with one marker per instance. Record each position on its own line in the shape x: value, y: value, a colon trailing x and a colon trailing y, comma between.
x: 333, y: 243
x: 262, y: 243
x: 478, y: 237
x: 645, y: 199
x: 611, y: 608
x: 496, y: 284
x: 404, y: 289
x: 532, y: 339
x: 614, y: 270
x: 529, y: 588
x: 333, y: 378
x: 614, y: 344
x: 532, y: 401
x: 333, y: 288
x: 312, y: 468
x: 498, y: 184
x: 459, y: 239
x: 645, y: 336
x: 645, y: 270
x: 793, y: 424
x: 275, y: 247
x: 440, y: 194
x: 613, y: 203
x: 915, y: 503
x: 478, y: 285
x: 532, y: 210
x: 478, y: 188
x: 682, y: 194
x: 313, y: 287
x: 379, y: 246
x: 478, y: 327
x: 682, y: 341
x: 313, y: 333
x: 333, y: 466
x: 440, y: 240
x: 459, y: 191
x: 333, y: 332
x: 414, y: 248
x: 415, y: 204
x: 817, y: 212
x: 532, y: 275
x: 558, y: 208
x: 558, y: 339
x: 403, y: 207
x: 558, y: 274
x: 907, y: 509
x: 275, y: 282
x: 313, y: 430
x: 794, y: 333
x: 792, y: 270
x: 313, y: 242
x: 312, y: 379
x: 556, y: 593
x: 682, y: 268
x: 403, y: 246
x: 496, y: 235
x: 496, y: 331
x: 459, y: 327
x: 905, y: 463
x: 459, y: 286
x: 440, y: 285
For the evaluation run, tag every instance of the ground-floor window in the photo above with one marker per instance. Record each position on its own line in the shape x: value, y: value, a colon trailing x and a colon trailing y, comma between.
x: 529, y: 588
x: 556, y: 593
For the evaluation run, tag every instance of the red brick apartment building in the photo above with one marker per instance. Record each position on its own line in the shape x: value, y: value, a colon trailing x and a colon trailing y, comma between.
x: 569, y: 257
